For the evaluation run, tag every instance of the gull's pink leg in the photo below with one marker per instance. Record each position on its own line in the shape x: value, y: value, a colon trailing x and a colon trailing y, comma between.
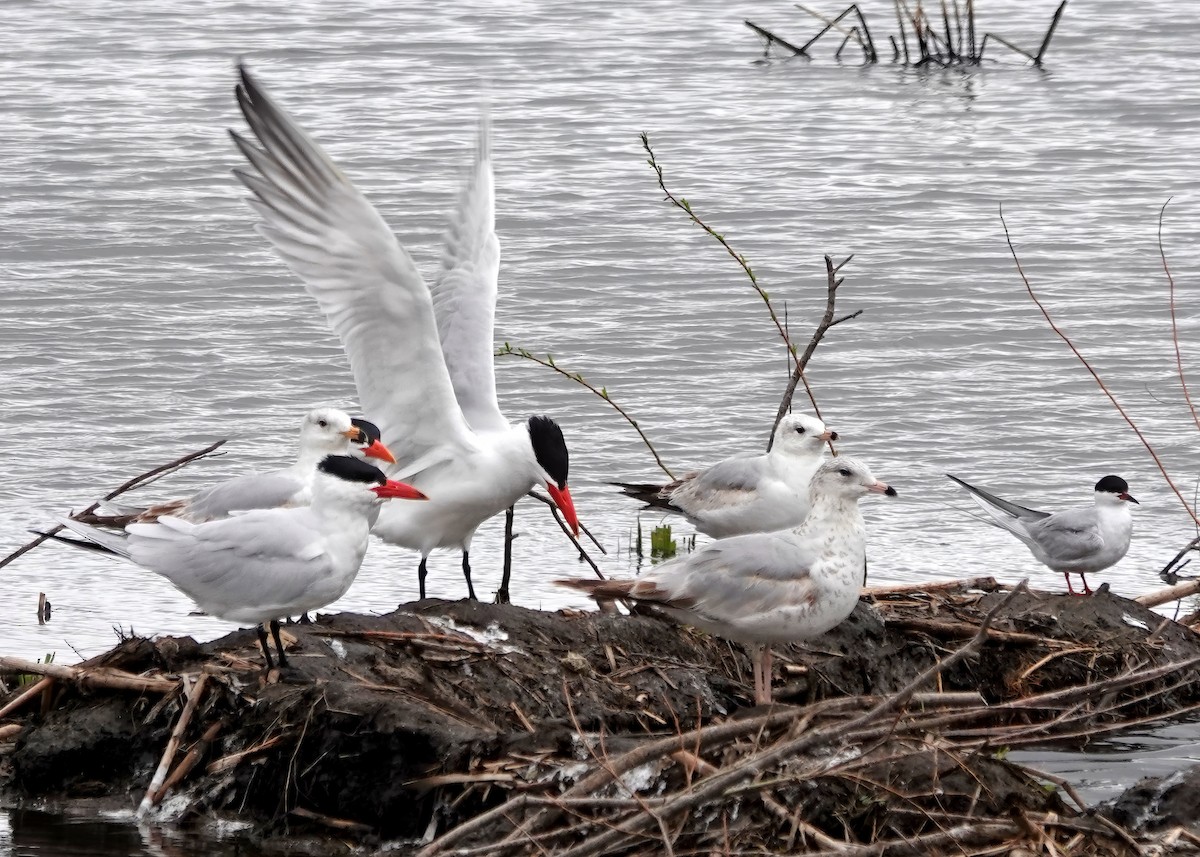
x: 1087, y: 590
x: 1070, y: 589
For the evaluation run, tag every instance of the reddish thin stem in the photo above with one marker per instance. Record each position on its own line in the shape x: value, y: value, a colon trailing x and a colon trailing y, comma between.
x: 1088, y: 366
x: 1174, y: 325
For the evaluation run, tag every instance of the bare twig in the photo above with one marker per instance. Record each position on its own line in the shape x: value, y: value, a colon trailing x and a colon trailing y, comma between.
x: 509, y: 351
x: 683, y: 205
x: 116, y: 492
x: 827, y: 321
x: 1174, y: 323
x: 1125, y: 416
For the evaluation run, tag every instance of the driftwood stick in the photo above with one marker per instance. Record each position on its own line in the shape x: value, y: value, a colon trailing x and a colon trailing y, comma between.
x: 168, y: 756
x: 1171, y: 593
x: 194, y: 755
x: 29, y: 694
x: 985, y: 584
x: 107, y: 677
x: 11, y: 731
x: 116, y: 492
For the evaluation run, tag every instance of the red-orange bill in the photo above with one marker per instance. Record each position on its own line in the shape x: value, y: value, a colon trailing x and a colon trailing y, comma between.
x: 398, y: 490
x: 376, y: 449
x: 562, y: 499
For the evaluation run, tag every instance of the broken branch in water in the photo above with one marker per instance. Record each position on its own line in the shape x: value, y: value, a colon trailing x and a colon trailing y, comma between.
x: 944, y: 43
x: 116, y: 492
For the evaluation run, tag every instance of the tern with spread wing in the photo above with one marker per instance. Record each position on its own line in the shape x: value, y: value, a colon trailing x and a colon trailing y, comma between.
x: 324, y: 431
x: 1073, y: 541
x: 265, y: 563
x: 767, y: 588
x: 747, y: 493
x: 422, y: 360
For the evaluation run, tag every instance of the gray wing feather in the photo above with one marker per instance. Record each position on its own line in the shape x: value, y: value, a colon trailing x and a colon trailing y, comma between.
x: 262, y: 491
x: 1066, y: 536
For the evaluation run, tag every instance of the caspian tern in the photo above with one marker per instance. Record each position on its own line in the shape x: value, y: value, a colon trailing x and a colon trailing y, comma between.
x: 1073, y: 541
x: 747, y: 493
x: 324, y: 431
x: 427, y: 375
x: 766, y: 588
x: 265, y: 563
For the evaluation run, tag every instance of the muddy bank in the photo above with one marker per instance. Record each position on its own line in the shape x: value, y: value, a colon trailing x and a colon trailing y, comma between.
x: 498, y: 729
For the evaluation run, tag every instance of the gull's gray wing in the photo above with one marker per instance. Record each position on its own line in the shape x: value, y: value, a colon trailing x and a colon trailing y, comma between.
x: 259, y: 491
x: 737, y: 579
x: 723, y: 486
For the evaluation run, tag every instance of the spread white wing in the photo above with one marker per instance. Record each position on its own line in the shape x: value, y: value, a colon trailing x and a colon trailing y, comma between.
x: 464, y: 296
x: 362, y: 278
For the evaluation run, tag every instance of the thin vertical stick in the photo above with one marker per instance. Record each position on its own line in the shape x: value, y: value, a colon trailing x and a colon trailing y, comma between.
x: 185, y: 716
x: 502, y: 596
x: 1174, y: 325
x: 1050, y: 32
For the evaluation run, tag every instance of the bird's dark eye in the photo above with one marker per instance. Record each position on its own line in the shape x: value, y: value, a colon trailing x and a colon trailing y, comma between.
x: 844, y: 471
x: 322, y: 423
x: 799, y: 429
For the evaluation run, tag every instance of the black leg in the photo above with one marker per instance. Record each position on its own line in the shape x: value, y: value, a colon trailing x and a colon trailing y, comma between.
x: 467, y: 575
x: 266, y: 647
x: 421, y: 572
x: 278, y: 643
x: 502, y: 592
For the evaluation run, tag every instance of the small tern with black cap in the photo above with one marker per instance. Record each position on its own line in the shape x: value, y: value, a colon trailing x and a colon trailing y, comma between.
x: 1073, y: 541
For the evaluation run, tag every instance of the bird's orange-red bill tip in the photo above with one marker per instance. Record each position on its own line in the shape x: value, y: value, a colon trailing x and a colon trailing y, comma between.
x: 398, y: 490
x: 562, y: 499
x: 376, y: 449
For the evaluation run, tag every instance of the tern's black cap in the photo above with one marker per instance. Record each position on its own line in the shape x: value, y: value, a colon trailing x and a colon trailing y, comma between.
x: 351, y: 469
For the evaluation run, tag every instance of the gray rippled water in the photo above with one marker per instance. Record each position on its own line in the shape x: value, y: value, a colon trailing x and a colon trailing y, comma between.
x: 142, y: 318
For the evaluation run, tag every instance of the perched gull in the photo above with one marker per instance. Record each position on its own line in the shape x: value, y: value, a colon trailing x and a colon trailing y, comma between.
x: 422, y: 360
x: 324, y: 431
x: 766, y: 588
x: 265, y: 563
x: 1073, y: 541
x: 748, y: 493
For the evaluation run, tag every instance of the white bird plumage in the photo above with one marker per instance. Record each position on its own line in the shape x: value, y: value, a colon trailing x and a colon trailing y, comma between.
x: 765, y: 588
x: 748, y: 493
x: 264, y: 563
x: 323, y: 431
x: 1073, y: 541
x: 425, y: 374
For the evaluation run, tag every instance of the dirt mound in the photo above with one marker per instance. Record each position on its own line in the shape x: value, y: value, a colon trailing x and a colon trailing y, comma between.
x: 511, y: 730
